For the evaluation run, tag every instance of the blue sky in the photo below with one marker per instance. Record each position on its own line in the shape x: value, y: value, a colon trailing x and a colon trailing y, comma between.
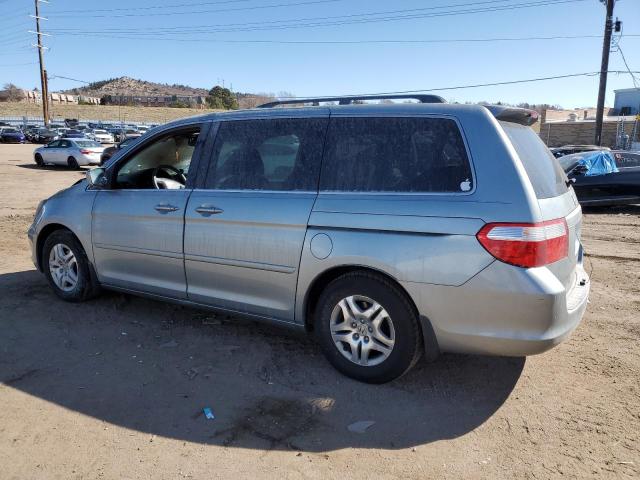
x: 157, y: 41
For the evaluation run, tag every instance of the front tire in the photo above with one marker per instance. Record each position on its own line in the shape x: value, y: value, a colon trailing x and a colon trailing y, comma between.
x: 67, y: 267
x: 73, y: 163
x: 367, y: 328
x: 39, y: 160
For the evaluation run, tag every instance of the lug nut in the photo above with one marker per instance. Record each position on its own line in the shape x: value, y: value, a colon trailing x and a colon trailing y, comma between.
x: 356, y: 336
x: 354, y: 325
x: 370, y: 329
x: 366, y: 339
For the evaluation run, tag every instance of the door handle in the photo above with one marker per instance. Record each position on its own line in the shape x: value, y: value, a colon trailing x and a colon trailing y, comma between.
x: 208, y: 210
x: 166, y: 208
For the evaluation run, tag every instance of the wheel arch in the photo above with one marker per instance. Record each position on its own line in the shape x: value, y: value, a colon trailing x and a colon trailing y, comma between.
x: 46, y: 231
x: 320, y: 282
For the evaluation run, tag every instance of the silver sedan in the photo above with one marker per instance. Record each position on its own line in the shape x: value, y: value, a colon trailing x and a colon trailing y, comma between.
x: 73, y: 152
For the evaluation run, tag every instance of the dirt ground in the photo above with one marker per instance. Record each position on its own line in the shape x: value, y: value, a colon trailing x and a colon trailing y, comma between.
x: 114, y: 388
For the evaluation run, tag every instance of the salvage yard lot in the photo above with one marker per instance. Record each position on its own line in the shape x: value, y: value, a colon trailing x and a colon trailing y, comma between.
x: 114, y: 388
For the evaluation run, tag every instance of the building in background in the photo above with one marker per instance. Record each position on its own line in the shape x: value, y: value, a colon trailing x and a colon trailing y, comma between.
x: 19, y: 95
x: 627, y: 101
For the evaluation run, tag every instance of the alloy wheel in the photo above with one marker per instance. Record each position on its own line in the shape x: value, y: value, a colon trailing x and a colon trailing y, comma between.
x: 362, y: 330
x: 63, y: 267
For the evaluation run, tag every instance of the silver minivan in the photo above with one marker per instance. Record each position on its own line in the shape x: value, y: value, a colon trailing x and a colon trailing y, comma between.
x: 391, y: 231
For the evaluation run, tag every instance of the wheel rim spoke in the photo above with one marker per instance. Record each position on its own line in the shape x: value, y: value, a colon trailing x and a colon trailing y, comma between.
x: 353, y: 306
x: 346, y: 311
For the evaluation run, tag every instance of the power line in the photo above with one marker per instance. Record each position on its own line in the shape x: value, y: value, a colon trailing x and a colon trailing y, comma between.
x: 17, y: 64
x: 175, y: 5
x: 68, y: 78
x: 633, y: 77
x: 362, y: 18
x: 198, y: 12
x: 437, y: 89
x: 350, y: 42
x: 200, y: 4
x: 477, y: 85
x: 615, y: 46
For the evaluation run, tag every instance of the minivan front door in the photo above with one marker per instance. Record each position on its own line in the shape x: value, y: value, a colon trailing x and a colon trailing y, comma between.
x: 244, y: 230
x: 137, y: 225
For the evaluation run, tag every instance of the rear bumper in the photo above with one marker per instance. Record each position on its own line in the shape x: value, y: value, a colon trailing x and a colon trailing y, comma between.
x: 503, y: 310
x: 84, y: 160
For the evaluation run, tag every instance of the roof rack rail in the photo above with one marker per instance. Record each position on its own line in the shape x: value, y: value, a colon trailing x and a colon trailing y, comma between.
x: 348, y: 100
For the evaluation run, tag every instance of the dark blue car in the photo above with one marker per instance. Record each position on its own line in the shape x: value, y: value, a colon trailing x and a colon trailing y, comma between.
x: 12, y: 135
x: 73, y: 134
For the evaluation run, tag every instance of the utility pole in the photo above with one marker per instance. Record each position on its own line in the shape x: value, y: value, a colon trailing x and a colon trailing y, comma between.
x: 604, y: 68
x: 43, y: 72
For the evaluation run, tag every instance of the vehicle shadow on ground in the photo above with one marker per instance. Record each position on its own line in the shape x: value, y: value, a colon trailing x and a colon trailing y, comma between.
x: 153, y: 367
x: 52, y: 168
x: 621, y: 210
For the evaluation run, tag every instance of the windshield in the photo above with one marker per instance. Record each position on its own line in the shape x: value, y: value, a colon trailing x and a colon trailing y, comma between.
x: 9, y: 130
x: 87, y: 143
x: 100, y: 131
x: 545, y: 173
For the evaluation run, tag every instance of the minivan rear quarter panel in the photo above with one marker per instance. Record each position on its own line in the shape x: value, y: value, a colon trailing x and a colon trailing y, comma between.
x: 421, y: 238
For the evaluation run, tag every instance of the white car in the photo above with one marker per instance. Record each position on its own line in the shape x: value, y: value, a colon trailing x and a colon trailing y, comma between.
x: 73, y: 152
x: 101, y: 136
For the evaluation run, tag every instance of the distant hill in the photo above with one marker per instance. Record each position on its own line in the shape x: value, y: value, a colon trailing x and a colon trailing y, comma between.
x: 132, y: 86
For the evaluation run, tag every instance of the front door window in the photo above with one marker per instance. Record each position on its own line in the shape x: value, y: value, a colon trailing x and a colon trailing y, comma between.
x: 163, y: 164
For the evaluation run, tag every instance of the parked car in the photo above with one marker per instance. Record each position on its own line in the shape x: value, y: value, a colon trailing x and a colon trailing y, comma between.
x: 28, y: 132
x: 44, y: 135
x: 110, y: 151
x: 118, y: 133
x: 604, y: 178
x: 390, y: 231
x: 132, y: 133
x: 72, y: 152
x: 73, y: 134
x: 571, y: 149
x: 12, y: 135
x: 101, y: 136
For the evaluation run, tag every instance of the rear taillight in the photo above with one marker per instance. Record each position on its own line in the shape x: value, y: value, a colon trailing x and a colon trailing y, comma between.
x: 526, y: 244
x: 85, y: 152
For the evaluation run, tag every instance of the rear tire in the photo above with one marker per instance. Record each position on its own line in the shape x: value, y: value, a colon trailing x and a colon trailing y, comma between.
x: 67, y: 267
x: 367, y: 328
x: 73, y: 163
x: 39, y: 160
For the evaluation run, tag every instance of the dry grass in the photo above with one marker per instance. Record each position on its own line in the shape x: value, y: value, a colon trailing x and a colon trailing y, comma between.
x: 101, y: 112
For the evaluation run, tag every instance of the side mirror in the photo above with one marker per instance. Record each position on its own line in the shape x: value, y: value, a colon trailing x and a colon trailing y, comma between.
x: 97, y: 178
x: 580, y: 170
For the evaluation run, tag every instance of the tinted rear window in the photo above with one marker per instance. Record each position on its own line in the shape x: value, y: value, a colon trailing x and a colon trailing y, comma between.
x: 87, y: 143
x: 395, y: 155
x: 544, y: 171
x: 274, y: 154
